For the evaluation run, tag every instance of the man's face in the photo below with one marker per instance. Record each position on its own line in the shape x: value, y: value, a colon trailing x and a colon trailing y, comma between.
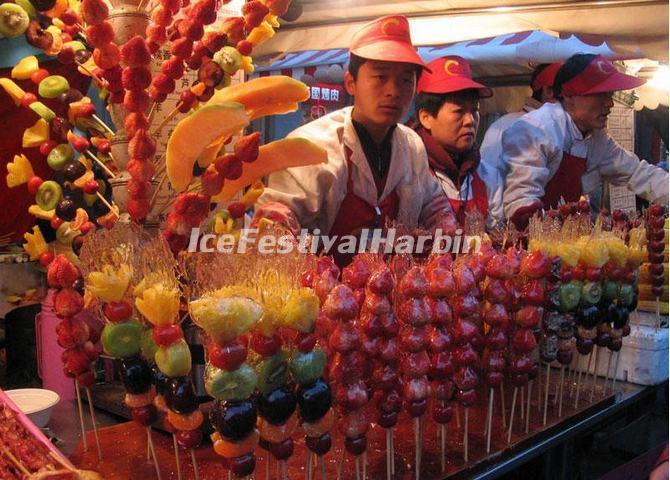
x: 455, y: 125
x: 382, y: 91
x: 589, y: 112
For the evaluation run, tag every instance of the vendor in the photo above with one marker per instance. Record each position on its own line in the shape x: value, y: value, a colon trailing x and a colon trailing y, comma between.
x: 542, y: 85
x: 562, y: 150
x: 377, y: 169
x: 447, y: 106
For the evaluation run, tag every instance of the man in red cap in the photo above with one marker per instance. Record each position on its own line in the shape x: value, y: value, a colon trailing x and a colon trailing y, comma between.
x: 447, y: 107
x: 563, y: 150
x: 542, y: 85
x: 377, y: 170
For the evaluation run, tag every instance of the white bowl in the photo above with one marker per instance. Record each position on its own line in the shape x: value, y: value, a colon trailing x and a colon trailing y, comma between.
x: 36, y: 403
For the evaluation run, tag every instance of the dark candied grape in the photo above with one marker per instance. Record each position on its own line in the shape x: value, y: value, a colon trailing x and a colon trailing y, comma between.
x: 278, y: 405
x: 180, y: 395
x: 243, y: 466
x: 282, y: 450
x: 234, y: 420
x: 136, y: 375
x: 66, y: 209
x: 319, y: 445
x: 160, y: 380
x: 356, y: 446
x: 314, y: 401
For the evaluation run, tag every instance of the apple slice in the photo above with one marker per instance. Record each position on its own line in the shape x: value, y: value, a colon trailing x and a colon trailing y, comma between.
x: 273, y: 95
x: 289, y: 152
x: 195, y: 133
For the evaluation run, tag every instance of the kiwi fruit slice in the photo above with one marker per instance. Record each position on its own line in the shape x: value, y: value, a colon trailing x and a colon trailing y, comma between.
x: 48, y: 195
x: 14, y: 20
x: 52, y: 86
x: 233, y: 386
x: 272, y: 373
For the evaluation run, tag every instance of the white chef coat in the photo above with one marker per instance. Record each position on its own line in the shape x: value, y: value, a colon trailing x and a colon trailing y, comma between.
x: 533, y: 149
x: 314, y: 193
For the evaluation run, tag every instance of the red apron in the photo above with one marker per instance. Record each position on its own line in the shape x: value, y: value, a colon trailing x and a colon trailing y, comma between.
x: 355, y: 214
x: 566, y: 182
x: 479, y: 200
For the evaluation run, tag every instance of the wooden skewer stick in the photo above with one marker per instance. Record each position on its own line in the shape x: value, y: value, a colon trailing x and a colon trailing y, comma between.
x: 530, y: 389
x: 388, y: 454
x: 539, y: 392
x: 152, y: 112
x: 365, y: 464
x: 107, y: 204
x: 607, y: 374
x: 392, y: 453
x: 340, y: 465
x: 616, y: 368
x: 489, y: 421
x: 91, y: 73
x: 195, y: 465
x: 176, y: 455
x: 595, y: 375
x: 502, y: 405
x: 153, y: 453
x: 560, y: 392
x: 465, y: 436
x: 154, y: 196
x: 523, y: 403
x: 308, y: 467
x: 511, y: 417
x: 81, y: 416
x: 579, y: 387
x: 322, y: 463
x: 657, y: 323
x: 61, y: 462
x: 357, y: 465
x: 443, y: 447
x: 17, y: 463
x: 148, y: 447
x: 101, y: 163
x: 106, y: 127
x: 93, y: 420
x: 417, y: 449
x: 166, y: 120
x: 267, y: 466
x: 546, y: 395
x: 458, y: 416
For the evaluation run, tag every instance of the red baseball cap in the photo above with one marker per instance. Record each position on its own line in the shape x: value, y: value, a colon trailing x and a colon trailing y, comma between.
x: 386, y: 39
x: 450, y: 74
x: 546, y: 77
x: 599, y: 76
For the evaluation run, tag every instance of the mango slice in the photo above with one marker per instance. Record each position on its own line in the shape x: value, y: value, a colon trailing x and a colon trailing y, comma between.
x: 25, y: 68
x: 289, y: 152
x: 195, y: 133
x: 273, y: 95
x: 35, y: 135
x: 19, y: 171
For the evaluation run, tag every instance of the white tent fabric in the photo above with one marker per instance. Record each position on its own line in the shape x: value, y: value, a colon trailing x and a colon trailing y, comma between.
x: 636, y: 28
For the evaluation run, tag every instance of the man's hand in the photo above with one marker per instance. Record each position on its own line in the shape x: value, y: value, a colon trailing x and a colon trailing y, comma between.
x: 522, y: 215
x: 279, y: 213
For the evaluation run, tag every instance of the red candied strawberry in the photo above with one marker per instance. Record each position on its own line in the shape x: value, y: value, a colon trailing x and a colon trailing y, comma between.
x: 499, y: 267
x: 495, y: 315
x: 441, y: 282
x: 496, y: 292
x: 136, y: 78
x: 463, y: 278
x: 440, y: 261
x: 535, y: 265
x: 138, y: 208
x: 356, y: 274
x: 414, y: 283
x: 135, y: 121
x: 377, y: 304
x: 341, y: 303
x: 140, y: 170
x: 156, y: 34
x: 182, y: 48
x: 465, y: 355
x: 415, y: 311
x: 94, y: 11
x: 464, y: 305
x: 191, y: 29
x: 163, y: 84
x: 205, y: 11
x: 514, y: 257
x: 246, y: 148
x: 113, y: 77
x: 192, y: 205
x: 254, y: 12
x: 141, y: 146
x: 533, y: 292
x: 134, y: 53
x: 523, y: 341
x: 278, y: 7
x: 90, y: 348
x: 99, y: 34
x: 233, y: 27
x: 68, y: 302
x: 466, y: 378
x: 440, y: 340
x: 212, y: 181
x: 77, y: 361
x: 324, y: 284
x: 381, y: 281
x: 176, y: 241
x: 71, y: 332
x: 327, y: 263
x: 360, y: 297
x: 107, y: 56
x: 496, y: 339
x: 440, y: 311
x: 138, y: 188
x: 476, y: 265
x: 494, y: 360
x: 61, y: 272
x: 214, y: 41
x: 464, y: 331
x: 529, y: 316
x: 136, y: 100
x: 173, y: 68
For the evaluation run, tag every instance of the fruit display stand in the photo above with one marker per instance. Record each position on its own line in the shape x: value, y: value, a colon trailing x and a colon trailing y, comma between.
x: 125, y: 450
